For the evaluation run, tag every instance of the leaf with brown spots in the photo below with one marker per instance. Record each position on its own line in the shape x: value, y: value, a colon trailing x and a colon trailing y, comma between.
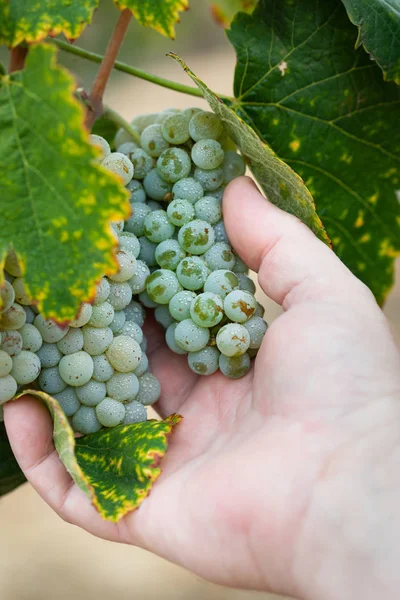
x: 160, y: 15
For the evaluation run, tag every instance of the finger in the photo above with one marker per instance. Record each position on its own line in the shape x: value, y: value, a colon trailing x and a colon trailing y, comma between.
x: 293, y: 265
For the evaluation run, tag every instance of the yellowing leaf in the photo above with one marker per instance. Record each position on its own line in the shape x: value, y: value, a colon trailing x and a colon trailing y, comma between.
x: 32, y: 20
x: 55, y: 203
x: 224, y: 10
x: 160, y: 15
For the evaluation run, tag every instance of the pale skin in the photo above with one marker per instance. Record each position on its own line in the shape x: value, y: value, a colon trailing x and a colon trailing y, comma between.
x: 287, y: 480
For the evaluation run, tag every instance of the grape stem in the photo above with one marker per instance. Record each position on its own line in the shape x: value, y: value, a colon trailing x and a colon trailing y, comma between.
x: 17, y: 58
x: 95, y: 107
x: 124, y: 68
x: 113, y: 116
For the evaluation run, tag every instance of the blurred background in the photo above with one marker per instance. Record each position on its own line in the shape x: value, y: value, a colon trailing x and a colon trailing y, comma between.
x: 41, y: 557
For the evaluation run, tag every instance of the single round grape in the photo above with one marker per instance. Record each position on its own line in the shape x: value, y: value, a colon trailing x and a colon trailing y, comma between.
x: 188, y: 189
x: 30, y: 314
x: 102, y: 292
x: 124, y: 354
x: 147, y: 251
x: 31, y: 337
x: 68, y: 401
x: 140, y: 122
x: 233, y: 166
x: 12, y: 264
x: 135, y: 224
x: 206, y: 310
x: 257, y: 328
x: 143, y: 346
x: 128, y: 241
x: 50, y: 381
x: 240, y: 267
x: 49, y: 330
x: 126, y: 267
x: 196, y: 237
x: 245, y: 283
x: 190, y: 336
x: 192, y: 272
x: 13, y: 318
x: 221, y: 282
x: 220, y: 256
x: 260, y: 310
x: 149, y: 389
x: 239, y: 306
x: 122, y: 137
x: 110, y: 413
x: 210, y: 179
x: 120, y: 165
x: 157, y: 227
x: 233, y: 339
x: 162, y: 285
x: 85, y: 421
x: 152, y: 140
x: 179, y: 305
x: 6, y: 363
x: 133, y: 330
x: 26, y: 367
x: 155, y: 186
x: 207, y: 154
x: 120, y: 294
x: 102, y: 368
x: 175, y: 129
x: 169, y: 254
x: 49, y: 355
x: 8, y: 388
x: 208, y: 209
x: 218, y: 194
x: 154, y: 205
x: 96, y: 340
x: 100, y: 144
x: 204, y: 362
x: 122, y: 387
x: 189, y: 112
x: 76, y: 369
x: 135, y: 412
x: 20, y: 292
x: 127, y: 148
x: 12, y: 343
x: 163, y: 316
x: 173, y: 164
x: 7, y: 296
x: 180, y: 212
x: 146, y: 300
x: 226, y: 142
x: 83, y: 317
x: 205, y: 125
x: 234, y: 367
x: 72, y: 342
x: 220, y: 232
x: 102, y: 315
x: 164, y: 114
x: 170, y: 340
x: 142, y: 163
x: 138, y: 195
x: 137, y: 283
x: 92, y: 392
x: 135, y: 312
x: 142, y: 366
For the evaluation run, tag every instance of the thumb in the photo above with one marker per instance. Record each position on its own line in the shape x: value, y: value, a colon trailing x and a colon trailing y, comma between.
x: 292, y: 264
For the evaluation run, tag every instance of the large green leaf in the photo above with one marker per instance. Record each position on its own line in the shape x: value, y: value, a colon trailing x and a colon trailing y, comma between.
x: 57, y: 204
x: 324, y: 108
x: 31, y: 20
x: 115, y: 468
x: 224, y: 10
x: 11, y: 475
x: 379, y: 31
x: 160, y: 15
x: 280, y: 183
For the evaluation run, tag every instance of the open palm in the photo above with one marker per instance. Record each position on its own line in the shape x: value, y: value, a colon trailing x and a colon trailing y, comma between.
x: 236, y: 497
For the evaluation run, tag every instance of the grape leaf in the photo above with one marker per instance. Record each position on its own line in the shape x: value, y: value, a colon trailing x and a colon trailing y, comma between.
x: 115, y: 468
x: 324, y: 108
x: 224, y: 10
x: 160, y: 15
x: 280, y: 183
x: 11, y: 475
x: 57, y: 204
x: 378, y: 23
x: 31, y: 21
x: 106, y: 128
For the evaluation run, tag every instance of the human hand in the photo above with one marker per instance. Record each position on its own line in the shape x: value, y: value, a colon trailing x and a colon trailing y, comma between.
x: 275, y: 481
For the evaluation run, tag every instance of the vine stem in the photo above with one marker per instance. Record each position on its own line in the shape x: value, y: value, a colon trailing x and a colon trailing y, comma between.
x: 17, y: 58
x: 124, y: 68
x: 116, y: 118
x: 107, y: 64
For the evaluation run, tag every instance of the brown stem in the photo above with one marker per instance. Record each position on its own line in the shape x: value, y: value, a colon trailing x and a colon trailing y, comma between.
x: 95, y: 108
x: 17, y: 58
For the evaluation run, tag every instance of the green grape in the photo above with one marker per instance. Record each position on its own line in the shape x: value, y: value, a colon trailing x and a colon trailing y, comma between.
x: 12, y: 265
x: 207, y: 310
x: 204, y: 362
x: 210, y: 180
x: 26, y: 367
x: 30, y: 314
x: 207, y: 154
x: 117, y: 227
x: 196, y: 237
x: 208, y: 209
x: 7, y: 296
x: 122, y: 137
x: 8, y: 388
x: 50, y: 381
x: 91, y: 393
x: 226, y: 142
x: 257, y: 328
x: 128, y: 241
x: 138, y: 281
x: 162, y: 285
x: 149, y: 389
x: 118, y: 321
x: 147, y: 251
x: 220, y: 256
x: 144, y: 363
x: 175, y: 128
x: 6, y: 363
x: 13, y: 318
x: 120, y: 165
x: 49, y: 355
x: 76, y: 369
x: 102, y: 368
x: 191, y: 337
x: 31, y: 337
x: 133, y: 330
x: 135, y: 313
x: 110, y: 413
x: 220, y: 233
x: 173, y: 164
x: 169, y: 254
x: 142, y: 163
x: 122, y: 387
x: 102, y: 292
x: 180, y: 212
x: 234, y: 367
x: 49, y: 330
x: 245, y: 283
x: 120, y: 294
x: 260, y: 310
x: 164, y: 114
x: 20, y: 292
x: 85, y: 421
x: 189, y: 112
x: 205, y: 125
x: 179, y: 305
x: 138, y: 195
x: 135, y: 224
x: 134, y: 413
x: 239, y: 306
x: 68, y: 401
x: 124, y: 354
x: 240, y: 267
x: 218, y: 194
x: 192, y: 273
x: 102, y: 315
x: 96, y: 340
x: 102, y: 145
x: 12, y: 343
x: 155, y: 186
x: 146, y: 300
x: 157, y: 226
x: 221, y: 282
x: 233, y: 166
x: 154, y: 205
x: 163, y: 316
x: 72, y: 342
x: 233, y: 339
x: 170, y: 340
x: 188, y: 189
x: 152, y: 141
x: 127, y: 147
x: 140, y: 122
